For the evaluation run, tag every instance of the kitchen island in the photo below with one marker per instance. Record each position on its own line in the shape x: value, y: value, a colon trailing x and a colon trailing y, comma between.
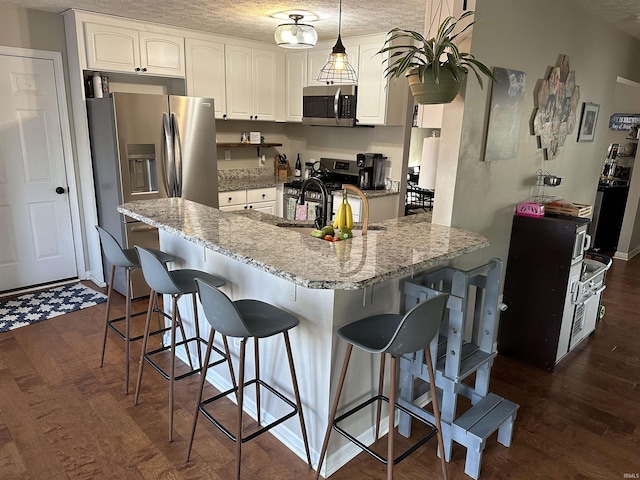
x: 325, y: 284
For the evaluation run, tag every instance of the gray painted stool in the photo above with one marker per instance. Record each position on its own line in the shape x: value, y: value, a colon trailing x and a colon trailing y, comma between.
x: 127, y: 259
x: 174, y: 283
x: 396, y: 335
x: 246, y: 319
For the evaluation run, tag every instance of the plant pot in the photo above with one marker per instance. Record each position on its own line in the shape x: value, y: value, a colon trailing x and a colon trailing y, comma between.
x: 429, y: 92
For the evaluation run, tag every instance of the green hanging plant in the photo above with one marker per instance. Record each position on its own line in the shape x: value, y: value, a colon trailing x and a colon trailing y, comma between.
x: 429, y: 58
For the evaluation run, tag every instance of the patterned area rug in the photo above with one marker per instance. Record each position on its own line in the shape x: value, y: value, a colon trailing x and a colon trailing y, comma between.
x: 33, y: 307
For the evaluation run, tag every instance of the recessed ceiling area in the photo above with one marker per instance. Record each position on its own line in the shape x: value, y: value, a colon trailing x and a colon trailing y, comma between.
x: 252, y: 18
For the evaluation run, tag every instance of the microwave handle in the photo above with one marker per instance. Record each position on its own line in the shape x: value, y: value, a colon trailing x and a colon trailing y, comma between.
x: 336, y: 98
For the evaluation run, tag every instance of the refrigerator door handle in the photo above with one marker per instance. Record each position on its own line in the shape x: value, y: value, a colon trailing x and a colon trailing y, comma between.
x: 168, y: 163
x: 178, y: 154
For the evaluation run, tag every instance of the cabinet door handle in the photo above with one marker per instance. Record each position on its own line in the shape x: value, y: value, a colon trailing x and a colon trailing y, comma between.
x: 144, y: 69
x: 224, y: 117
x: 230, y: 198
x: 255, y: 117
x: 264, y: 195
x: 137, y: 69
x: 245, y: 207
x: 250, y: 206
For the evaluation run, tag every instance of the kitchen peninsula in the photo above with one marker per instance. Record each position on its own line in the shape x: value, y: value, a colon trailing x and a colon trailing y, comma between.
x: 326, y: 284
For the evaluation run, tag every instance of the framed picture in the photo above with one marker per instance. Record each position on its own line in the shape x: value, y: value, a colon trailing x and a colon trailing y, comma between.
x: 588, y: 122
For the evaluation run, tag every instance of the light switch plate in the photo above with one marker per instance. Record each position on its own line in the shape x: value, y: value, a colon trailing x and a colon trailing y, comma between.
x: 227, y: 154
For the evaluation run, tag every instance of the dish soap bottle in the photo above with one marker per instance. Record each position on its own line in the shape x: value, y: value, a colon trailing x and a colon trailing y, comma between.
x: 298, y: 169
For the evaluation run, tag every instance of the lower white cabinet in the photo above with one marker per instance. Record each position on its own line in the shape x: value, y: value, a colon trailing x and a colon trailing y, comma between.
x: 260, y: 199
x: 380, y: 208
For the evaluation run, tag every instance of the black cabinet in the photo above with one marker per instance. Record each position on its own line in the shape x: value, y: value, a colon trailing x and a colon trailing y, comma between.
x: 545, y: 256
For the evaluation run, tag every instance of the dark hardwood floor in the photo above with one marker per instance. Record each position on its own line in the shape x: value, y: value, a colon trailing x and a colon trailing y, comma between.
x: 62, y: 416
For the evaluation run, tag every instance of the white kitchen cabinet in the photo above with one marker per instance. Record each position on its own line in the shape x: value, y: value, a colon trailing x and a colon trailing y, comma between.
x: 295, y: 81
x: 205, y: 72
x: 251, y: 84
x: 372, y: 91
x: 380, y: 207
x: 259, y: 199
x: 114, y: 48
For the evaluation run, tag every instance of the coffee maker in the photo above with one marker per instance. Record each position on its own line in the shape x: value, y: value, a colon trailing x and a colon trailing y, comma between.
x: 372, y: 168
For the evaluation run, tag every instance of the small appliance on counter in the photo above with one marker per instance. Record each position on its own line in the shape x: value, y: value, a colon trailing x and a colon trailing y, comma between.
x: 371, y: 173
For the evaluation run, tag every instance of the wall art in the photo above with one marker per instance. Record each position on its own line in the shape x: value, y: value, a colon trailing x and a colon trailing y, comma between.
x: 623, y: 121
x: 507, y: 95
x: 556, y: 99
x: 588, y: 121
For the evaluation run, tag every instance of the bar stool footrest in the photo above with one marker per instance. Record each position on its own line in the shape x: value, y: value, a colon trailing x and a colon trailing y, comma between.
x: 160, y: 370
x: 378, y: 457
x: 260, y: 431
x: 113, y: 327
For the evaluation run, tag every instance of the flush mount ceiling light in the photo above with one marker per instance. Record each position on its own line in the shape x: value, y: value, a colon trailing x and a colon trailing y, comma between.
x: 296, y: 35
x: 338, y: 69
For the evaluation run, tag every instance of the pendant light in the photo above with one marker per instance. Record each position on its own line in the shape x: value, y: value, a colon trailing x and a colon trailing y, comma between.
x: 296, y: 35
x: 338, y: 69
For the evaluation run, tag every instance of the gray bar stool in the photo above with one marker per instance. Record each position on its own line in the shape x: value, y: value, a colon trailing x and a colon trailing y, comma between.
x: 396, y: 335
x: 174, y: 283
x: 127, y: 259
x: 244, y: 319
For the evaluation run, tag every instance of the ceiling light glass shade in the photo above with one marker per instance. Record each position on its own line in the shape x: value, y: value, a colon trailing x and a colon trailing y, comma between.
x: 338, y: 69
x: 296, y: 35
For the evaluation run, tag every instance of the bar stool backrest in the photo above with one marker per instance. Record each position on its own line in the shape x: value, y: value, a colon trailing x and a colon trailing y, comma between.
x: 221, y: 313
x: 112, y: 249
x: 418, y: 327
x: 156, y: 274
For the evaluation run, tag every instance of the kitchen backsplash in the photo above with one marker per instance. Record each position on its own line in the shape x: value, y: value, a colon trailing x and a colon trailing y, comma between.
x: 240, y: 173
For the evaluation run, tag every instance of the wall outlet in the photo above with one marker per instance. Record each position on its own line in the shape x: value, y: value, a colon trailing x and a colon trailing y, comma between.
x: 227, y: 154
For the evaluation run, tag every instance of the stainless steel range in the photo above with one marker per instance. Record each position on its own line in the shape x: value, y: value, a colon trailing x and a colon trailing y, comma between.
x: 333, y: 172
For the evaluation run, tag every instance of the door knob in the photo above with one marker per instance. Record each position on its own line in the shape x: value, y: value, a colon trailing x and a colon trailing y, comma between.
x: 60, y: 190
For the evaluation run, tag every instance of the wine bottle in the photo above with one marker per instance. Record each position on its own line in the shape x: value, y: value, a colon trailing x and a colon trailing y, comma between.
x: 298, y: 169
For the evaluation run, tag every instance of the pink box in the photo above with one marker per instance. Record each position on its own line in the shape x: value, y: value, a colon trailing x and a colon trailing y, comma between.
x: 530, y: 209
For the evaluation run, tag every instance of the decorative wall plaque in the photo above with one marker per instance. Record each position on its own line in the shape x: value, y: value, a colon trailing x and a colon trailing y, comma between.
x: 556, y: 99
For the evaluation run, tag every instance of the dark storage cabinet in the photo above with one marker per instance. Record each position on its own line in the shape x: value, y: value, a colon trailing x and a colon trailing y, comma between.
x: 545, y: 255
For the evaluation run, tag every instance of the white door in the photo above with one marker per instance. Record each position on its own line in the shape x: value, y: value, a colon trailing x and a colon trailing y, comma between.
x: 36, y: 238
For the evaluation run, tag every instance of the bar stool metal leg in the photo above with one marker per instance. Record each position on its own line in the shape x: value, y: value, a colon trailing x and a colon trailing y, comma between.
x: 392, y: 415
x: 153, y: 300
x: 106, y: 316
x: 256, y: 354
x: 243, y: 345
x: 127, y: 330
x: 380, y: 389
x: 296, y: 392
x: 334, y: 408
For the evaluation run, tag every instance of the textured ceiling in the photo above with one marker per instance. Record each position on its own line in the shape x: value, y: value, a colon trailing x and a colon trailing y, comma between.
x: 251, y: 18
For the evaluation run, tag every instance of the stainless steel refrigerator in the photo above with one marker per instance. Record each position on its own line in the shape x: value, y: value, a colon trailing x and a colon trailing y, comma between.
x: 148, y: 147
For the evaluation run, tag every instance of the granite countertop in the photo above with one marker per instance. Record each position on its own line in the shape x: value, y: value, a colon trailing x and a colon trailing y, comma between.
x: 391, y: 249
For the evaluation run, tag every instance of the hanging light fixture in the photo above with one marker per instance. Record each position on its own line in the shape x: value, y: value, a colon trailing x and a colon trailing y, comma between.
x: 338, y: 69
x: 296, y: 35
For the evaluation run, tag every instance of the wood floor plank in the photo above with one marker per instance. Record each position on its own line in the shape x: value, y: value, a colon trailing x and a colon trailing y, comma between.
x: 62, y: 416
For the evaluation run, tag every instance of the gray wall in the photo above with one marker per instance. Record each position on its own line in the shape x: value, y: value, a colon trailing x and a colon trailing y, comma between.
x: 529, y: 36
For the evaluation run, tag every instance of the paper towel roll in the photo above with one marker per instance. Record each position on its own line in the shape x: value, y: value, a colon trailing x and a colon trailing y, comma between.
x: 428, y: 163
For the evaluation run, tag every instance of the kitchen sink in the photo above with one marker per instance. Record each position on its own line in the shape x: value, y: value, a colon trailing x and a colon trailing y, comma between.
x: 306, y: 230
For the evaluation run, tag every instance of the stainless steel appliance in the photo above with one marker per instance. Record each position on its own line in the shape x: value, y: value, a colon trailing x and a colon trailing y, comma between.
x: 330, y: 105
x: 372, y: 168
x: 333, y: 173
x: 149, y: 147
x: 544, y: 268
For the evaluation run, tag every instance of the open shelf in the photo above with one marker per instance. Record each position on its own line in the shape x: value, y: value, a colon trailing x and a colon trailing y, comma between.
x: 243, y: 145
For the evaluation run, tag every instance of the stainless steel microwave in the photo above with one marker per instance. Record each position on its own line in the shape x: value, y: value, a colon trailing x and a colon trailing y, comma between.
x: 330, y: 105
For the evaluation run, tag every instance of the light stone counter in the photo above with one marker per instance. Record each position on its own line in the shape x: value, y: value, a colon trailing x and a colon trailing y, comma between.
x: 392, y: 249
x: 325, y: 284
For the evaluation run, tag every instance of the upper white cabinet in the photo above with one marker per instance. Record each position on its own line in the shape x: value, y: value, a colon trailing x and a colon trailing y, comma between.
x: 295, y: 81
x: 114, y: 48
x: 251, y: 83
x: 206, y: 72
x: 372, y: 91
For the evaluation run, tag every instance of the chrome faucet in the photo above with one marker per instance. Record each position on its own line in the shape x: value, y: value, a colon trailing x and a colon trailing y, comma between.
x: 321, y: 217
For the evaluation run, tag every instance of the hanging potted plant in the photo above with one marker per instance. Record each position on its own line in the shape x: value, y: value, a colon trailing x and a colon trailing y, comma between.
x: 435, y: 67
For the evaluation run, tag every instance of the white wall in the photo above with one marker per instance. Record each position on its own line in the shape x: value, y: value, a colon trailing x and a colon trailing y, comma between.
x: 529, y: 36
